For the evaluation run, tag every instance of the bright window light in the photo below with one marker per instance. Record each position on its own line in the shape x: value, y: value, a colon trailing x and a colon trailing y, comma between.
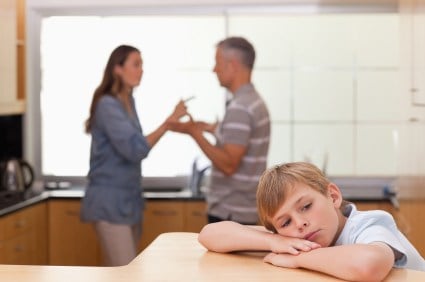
x: 178, y: 54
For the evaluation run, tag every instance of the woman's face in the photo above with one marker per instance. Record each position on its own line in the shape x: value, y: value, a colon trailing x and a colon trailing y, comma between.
x: 132, y: 70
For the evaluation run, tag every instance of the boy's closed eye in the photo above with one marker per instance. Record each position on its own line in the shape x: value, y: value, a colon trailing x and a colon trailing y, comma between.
x: 304, y: 207
x: 286, y: 223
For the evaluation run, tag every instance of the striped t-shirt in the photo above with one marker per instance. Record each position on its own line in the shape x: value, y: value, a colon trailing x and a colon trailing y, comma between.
x: 246, y: 122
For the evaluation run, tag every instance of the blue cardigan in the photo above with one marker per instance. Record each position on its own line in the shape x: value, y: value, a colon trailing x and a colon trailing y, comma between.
x: 114, y: 191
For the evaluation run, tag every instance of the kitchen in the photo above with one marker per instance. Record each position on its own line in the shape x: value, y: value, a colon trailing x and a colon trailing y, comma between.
x: 383, y: 69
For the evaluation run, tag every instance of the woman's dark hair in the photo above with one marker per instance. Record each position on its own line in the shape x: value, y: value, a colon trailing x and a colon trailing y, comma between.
x: 111, y: 84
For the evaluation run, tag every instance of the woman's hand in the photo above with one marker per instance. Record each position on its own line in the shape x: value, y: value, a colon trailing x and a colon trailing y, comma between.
x: 180, y: 110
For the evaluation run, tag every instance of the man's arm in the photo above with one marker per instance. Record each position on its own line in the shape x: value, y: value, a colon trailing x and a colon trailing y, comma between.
x: 227, y: 158
x: 229, y: 236
x: 357, y: 262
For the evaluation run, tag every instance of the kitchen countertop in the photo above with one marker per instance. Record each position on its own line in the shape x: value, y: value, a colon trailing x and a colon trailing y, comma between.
x: 353, y: 189
x: 77, y: 192
x: 179, y: 257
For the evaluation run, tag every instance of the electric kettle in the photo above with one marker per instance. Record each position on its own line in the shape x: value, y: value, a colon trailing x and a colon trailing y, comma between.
x: 15, y: 175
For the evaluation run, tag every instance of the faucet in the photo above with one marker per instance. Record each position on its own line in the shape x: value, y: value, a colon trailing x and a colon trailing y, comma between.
x: 196, y: 177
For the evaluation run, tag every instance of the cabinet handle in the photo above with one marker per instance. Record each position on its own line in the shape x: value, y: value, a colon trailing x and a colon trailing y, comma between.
x: 19, y: 249
x: 198, y: 213
x: 72, y: 213
x: 20, y: 223
x: 164, y: 213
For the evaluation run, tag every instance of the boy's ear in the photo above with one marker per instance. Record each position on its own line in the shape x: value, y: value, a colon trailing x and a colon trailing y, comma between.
x: 335, y: 194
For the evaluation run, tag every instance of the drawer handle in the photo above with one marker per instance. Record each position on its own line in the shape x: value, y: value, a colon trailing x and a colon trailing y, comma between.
x: 198, y: 213
x: 19, y: 249
x: 72, y: 213
x: 164, y: 213
x: 20, y: 224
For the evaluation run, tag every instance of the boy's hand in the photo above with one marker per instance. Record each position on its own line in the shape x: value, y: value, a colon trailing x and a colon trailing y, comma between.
x: 282, y: 260
x: 291, y: 245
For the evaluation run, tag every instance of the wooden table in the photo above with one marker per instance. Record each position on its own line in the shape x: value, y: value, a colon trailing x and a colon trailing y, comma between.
x: 179, y: 257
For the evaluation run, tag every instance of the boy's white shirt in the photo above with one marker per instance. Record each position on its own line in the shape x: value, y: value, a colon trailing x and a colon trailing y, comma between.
x: 365, y: 227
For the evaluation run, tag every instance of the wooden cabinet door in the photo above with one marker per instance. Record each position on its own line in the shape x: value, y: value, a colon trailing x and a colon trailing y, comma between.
x: 38, y: 236
x: 412, y: 224
x: 195, y: 216
x: 71, y: 242
x: 19, y: 250
x: 160, y: 217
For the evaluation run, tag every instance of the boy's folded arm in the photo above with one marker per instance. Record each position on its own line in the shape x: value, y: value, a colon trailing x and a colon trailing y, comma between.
x: 358, y: 262
x: 228, y: 236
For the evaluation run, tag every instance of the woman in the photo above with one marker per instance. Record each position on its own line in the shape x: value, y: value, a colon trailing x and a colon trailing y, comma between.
x: 113, y: 201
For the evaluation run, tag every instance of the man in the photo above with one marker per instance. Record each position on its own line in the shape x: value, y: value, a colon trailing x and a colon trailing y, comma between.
x: 240, y: 154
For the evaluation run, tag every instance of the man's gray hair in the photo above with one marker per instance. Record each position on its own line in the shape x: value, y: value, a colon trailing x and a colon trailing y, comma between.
x: 242, y: 47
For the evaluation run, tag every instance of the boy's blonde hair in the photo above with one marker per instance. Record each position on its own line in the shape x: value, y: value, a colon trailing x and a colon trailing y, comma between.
x: 277, y: 180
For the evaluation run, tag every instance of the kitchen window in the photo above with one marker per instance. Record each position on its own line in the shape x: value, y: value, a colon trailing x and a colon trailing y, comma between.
x: 324, y: 77
x: 178, y: 54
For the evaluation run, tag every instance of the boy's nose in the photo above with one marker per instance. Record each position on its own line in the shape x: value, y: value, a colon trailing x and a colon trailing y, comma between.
x: 302, y: 223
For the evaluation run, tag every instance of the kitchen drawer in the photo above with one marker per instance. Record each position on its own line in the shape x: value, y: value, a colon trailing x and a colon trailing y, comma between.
x: 195, y: 216
x: 17, y: 223
x: 161, y: 217
x: 19, y: 250
x: 171, y: 216
x: 23, y: 237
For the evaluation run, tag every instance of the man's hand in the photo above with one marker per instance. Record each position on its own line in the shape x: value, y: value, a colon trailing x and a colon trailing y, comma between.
x: 183, y: 127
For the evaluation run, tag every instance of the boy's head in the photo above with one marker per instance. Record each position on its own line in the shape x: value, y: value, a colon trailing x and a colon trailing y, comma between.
x: 295, y: 193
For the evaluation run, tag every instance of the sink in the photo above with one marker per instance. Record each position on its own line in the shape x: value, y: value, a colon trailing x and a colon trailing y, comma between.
x: 366, y: 188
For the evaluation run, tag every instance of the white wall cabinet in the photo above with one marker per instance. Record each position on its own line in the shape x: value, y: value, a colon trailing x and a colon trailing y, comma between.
x: 413, y: 30
x: 9, y: 102
x: 418, y: 55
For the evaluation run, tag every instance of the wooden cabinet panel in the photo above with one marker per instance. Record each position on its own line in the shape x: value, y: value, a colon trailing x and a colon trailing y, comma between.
x: 160, y: 217
x: 71, y: 242
x: 195, y: 216
x: 23, y: 236
x: 19, y: 250
x: 171, y: 216
x: 411, y: 222
x: 365, y: 206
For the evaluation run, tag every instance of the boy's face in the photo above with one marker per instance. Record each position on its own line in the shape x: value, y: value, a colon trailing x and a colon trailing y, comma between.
x: 310, y: 215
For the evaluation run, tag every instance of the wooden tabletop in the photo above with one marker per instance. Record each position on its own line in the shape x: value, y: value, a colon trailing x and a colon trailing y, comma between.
x: 179, y: 257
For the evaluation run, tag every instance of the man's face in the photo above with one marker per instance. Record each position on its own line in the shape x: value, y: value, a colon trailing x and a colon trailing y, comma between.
x: 223, y: 68
x: 310, y: 215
